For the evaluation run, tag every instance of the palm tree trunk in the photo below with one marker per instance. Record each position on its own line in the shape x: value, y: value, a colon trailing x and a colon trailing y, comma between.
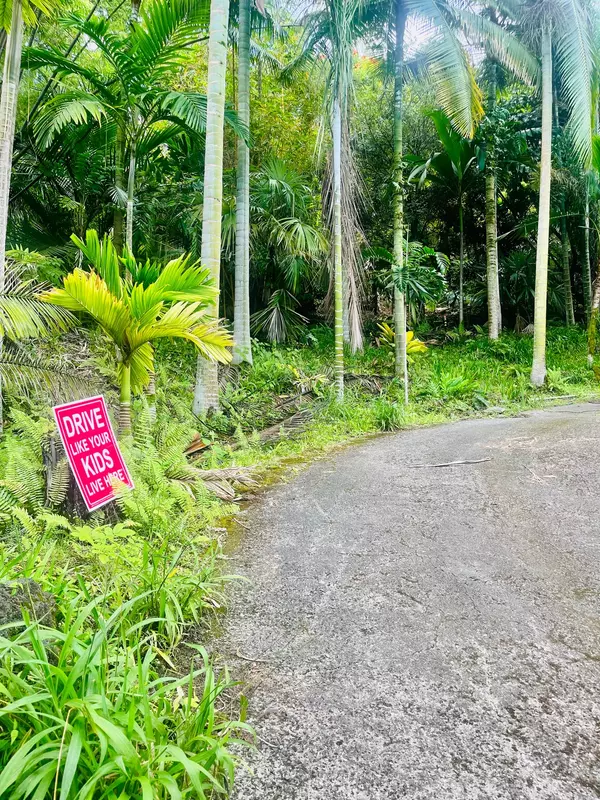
x: 491, y: 230
x: 120, y: 185
x: 8, y: 113
x: 461, y: 268
x: 130, y: 199
x: 586, y: 273
x: 491, y: 237
x: 125, y: 401
x: 401, y: 360
x: 206, y: 392
x: 337, y: 250
x: 538, y: 367
x: 564, y: 235
x: 242, y: 348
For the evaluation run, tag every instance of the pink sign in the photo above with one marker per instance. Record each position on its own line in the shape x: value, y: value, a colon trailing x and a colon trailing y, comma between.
x: 92, y: 450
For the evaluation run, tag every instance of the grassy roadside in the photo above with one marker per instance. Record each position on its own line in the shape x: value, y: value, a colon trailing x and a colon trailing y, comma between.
x: 472, y: 377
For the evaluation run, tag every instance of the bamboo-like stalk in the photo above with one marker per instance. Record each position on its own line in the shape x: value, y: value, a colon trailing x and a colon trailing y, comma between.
x: 461, y: 268
x: 586, y: 271
x: 206, y: 392
x: 566, y: 268
x: 151, y: 396
x: 120, y: 184
x: 401, y: 361
x: 337, y: 249
x: 491, y: 236
x: 242, y: 347
x: 491, y: 231
x: 538, y: 367
x: 130, y: 199
x: 8, y: 114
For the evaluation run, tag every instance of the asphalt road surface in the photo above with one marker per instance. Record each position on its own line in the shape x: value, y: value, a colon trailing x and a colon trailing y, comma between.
x: 415, y: 631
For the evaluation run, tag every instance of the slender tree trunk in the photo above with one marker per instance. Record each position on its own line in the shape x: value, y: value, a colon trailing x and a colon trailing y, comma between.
x: 491, y: 229
x: 206, y: 392
x: 346, y: 308
x: 130, y: 199
x: 242, y: 348
x: 461, y: 268
x: 8, y: 114
x: 491, y: 236
x: 125, y: 401
x: 120, y: 185
x: 337, y: 250
x: 566, y: 268
x: 586, y: 272
x: 538, y: 367
x: 401, y: 361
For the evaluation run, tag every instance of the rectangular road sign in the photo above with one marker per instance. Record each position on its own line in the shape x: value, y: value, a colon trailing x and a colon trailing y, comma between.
x: 92, y: 449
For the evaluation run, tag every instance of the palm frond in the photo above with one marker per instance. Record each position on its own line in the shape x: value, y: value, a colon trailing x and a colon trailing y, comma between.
x: 573, y: 48
x: 74, y: 107
x: 23, y: 315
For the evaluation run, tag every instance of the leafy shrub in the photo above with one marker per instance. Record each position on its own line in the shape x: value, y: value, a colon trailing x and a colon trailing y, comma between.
x: 389, y: 415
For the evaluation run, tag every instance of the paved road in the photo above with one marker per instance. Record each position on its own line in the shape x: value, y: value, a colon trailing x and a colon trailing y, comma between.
x: 428, y: 632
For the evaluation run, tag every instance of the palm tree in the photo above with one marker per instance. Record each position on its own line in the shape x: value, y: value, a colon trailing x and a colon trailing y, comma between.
x: 452, y: 168
x: 491, y: 223
x: 206, y: 392
x: 130, y: 90
x: 563, y: 39
x: 11, y: 23
x: 287, y: 247
x: 242, y: 348
x: 134, y: 315
x: 329, y: 37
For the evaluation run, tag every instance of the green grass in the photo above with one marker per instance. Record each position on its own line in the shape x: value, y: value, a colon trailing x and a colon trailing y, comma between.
x: 453, y: 380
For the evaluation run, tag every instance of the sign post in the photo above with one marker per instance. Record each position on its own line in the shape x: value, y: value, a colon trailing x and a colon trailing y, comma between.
x: 92, y: 450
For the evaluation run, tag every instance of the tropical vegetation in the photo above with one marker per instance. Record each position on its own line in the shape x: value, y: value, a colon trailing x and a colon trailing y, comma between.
x: 258, y: 232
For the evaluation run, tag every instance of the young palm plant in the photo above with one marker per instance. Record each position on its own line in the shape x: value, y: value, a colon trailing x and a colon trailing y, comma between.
x: 134, y: 315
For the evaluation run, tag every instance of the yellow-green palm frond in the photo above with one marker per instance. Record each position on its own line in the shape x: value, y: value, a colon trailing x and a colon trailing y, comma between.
x: 182, y: 279
x: 23, y: 315
x: 141, y: 362
x: 103, y: 257
x: 28, y: 8
x: 185, y: 321
x: 178, y: 281
x: 87, y: 292
x: 213, y: 342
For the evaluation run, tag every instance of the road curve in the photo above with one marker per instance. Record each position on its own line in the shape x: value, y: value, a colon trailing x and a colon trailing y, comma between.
x: 425, y: 632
